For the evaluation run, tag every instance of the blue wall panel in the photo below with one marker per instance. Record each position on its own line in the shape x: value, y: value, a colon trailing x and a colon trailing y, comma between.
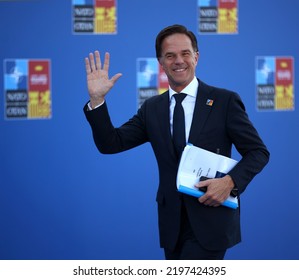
x: 61, y: 199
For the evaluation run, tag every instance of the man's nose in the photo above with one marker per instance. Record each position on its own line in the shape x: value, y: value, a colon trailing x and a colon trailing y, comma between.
x: 179, y: 59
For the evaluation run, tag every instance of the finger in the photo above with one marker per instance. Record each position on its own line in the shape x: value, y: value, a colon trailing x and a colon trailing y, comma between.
x: 203, y: 199
x: 205, y: 202
x: 87, y: 65
x: 216, y: 205
x: 210, y: 202
x: 206, y: 199
x: 204, y: 183
x: 106, y: 62
x: 201, y: 184
x: 98, y: 59
x: 91, y: 61
x: 116, y: 77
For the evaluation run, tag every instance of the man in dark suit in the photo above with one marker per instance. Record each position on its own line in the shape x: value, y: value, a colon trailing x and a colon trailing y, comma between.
x: 214, y: 119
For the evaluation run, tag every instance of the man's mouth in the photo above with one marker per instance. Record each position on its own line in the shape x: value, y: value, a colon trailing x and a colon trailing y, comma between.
x: 179, y: 70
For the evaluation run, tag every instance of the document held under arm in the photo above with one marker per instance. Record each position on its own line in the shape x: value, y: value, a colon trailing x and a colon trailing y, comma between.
x: 196, y: 162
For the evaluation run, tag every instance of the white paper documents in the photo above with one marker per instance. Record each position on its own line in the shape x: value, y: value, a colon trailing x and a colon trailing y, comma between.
x: 196, y: 162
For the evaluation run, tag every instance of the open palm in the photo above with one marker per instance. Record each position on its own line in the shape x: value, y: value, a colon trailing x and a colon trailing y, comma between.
x: 98, y: 82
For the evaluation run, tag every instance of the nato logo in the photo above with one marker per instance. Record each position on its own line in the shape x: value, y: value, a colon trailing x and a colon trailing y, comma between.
x: 217, y: 16
x: 274, y: 78
x: 94, y: 17
x: 27, y: 89
x: 151, y: 79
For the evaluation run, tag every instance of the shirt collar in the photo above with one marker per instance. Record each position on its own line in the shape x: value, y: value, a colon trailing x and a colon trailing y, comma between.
x: 190, y: 89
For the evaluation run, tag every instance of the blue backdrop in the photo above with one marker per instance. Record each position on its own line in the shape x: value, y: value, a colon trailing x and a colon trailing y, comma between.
x: 61, y: 199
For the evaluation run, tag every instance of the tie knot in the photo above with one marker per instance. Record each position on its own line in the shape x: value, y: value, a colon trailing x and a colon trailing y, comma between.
x: 179, y: 97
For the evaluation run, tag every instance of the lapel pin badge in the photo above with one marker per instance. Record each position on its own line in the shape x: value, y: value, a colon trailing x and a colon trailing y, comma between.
x: 210, y: 102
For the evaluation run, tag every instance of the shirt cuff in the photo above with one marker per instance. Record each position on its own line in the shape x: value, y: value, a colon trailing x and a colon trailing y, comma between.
x: 89, y: 106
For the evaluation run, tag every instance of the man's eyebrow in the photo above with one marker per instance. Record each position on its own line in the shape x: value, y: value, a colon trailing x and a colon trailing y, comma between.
x: 182, y: 51
x: 169, y: 52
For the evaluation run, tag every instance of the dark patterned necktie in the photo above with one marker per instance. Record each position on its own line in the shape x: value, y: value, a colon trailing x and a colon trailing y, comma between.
x: 178, y: 133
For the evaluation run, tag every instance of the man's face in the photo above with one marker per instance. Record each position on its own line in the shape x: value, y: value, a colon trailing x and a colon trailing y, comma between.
x: 178, y: 60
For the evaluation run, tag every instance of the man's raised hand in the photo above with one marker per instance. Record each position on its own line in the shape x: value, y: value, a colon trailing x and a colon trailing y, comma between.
x: 98, y: 82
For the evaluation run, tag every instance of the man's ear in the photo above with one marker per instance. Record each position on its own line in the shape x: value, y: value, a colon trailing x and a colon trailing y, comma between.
x: 160, y: 63
x: 198, y: 55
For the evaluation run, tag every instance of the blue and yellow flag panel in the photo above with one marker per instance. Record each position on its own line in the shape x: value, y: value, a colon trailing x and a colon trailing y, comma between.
x: 27, y: 87
x: 94, y: 16
x: 275, y: 83
x: 218, y: 16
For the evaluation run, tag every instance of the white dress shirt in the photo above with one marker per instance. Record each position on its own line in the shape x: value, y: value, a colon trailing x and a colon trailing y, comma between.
x: 188, y: 104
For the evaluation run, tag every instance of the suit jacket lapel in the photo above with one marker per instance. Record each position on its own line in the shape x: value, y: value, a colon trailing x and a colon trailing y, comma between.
x: 162, y: 110
x: 201, y: 110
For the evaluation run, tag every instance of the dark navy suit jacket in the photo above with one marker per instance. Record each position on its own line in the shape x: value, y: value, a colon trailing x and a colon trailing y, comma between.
x: 215, y: 127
